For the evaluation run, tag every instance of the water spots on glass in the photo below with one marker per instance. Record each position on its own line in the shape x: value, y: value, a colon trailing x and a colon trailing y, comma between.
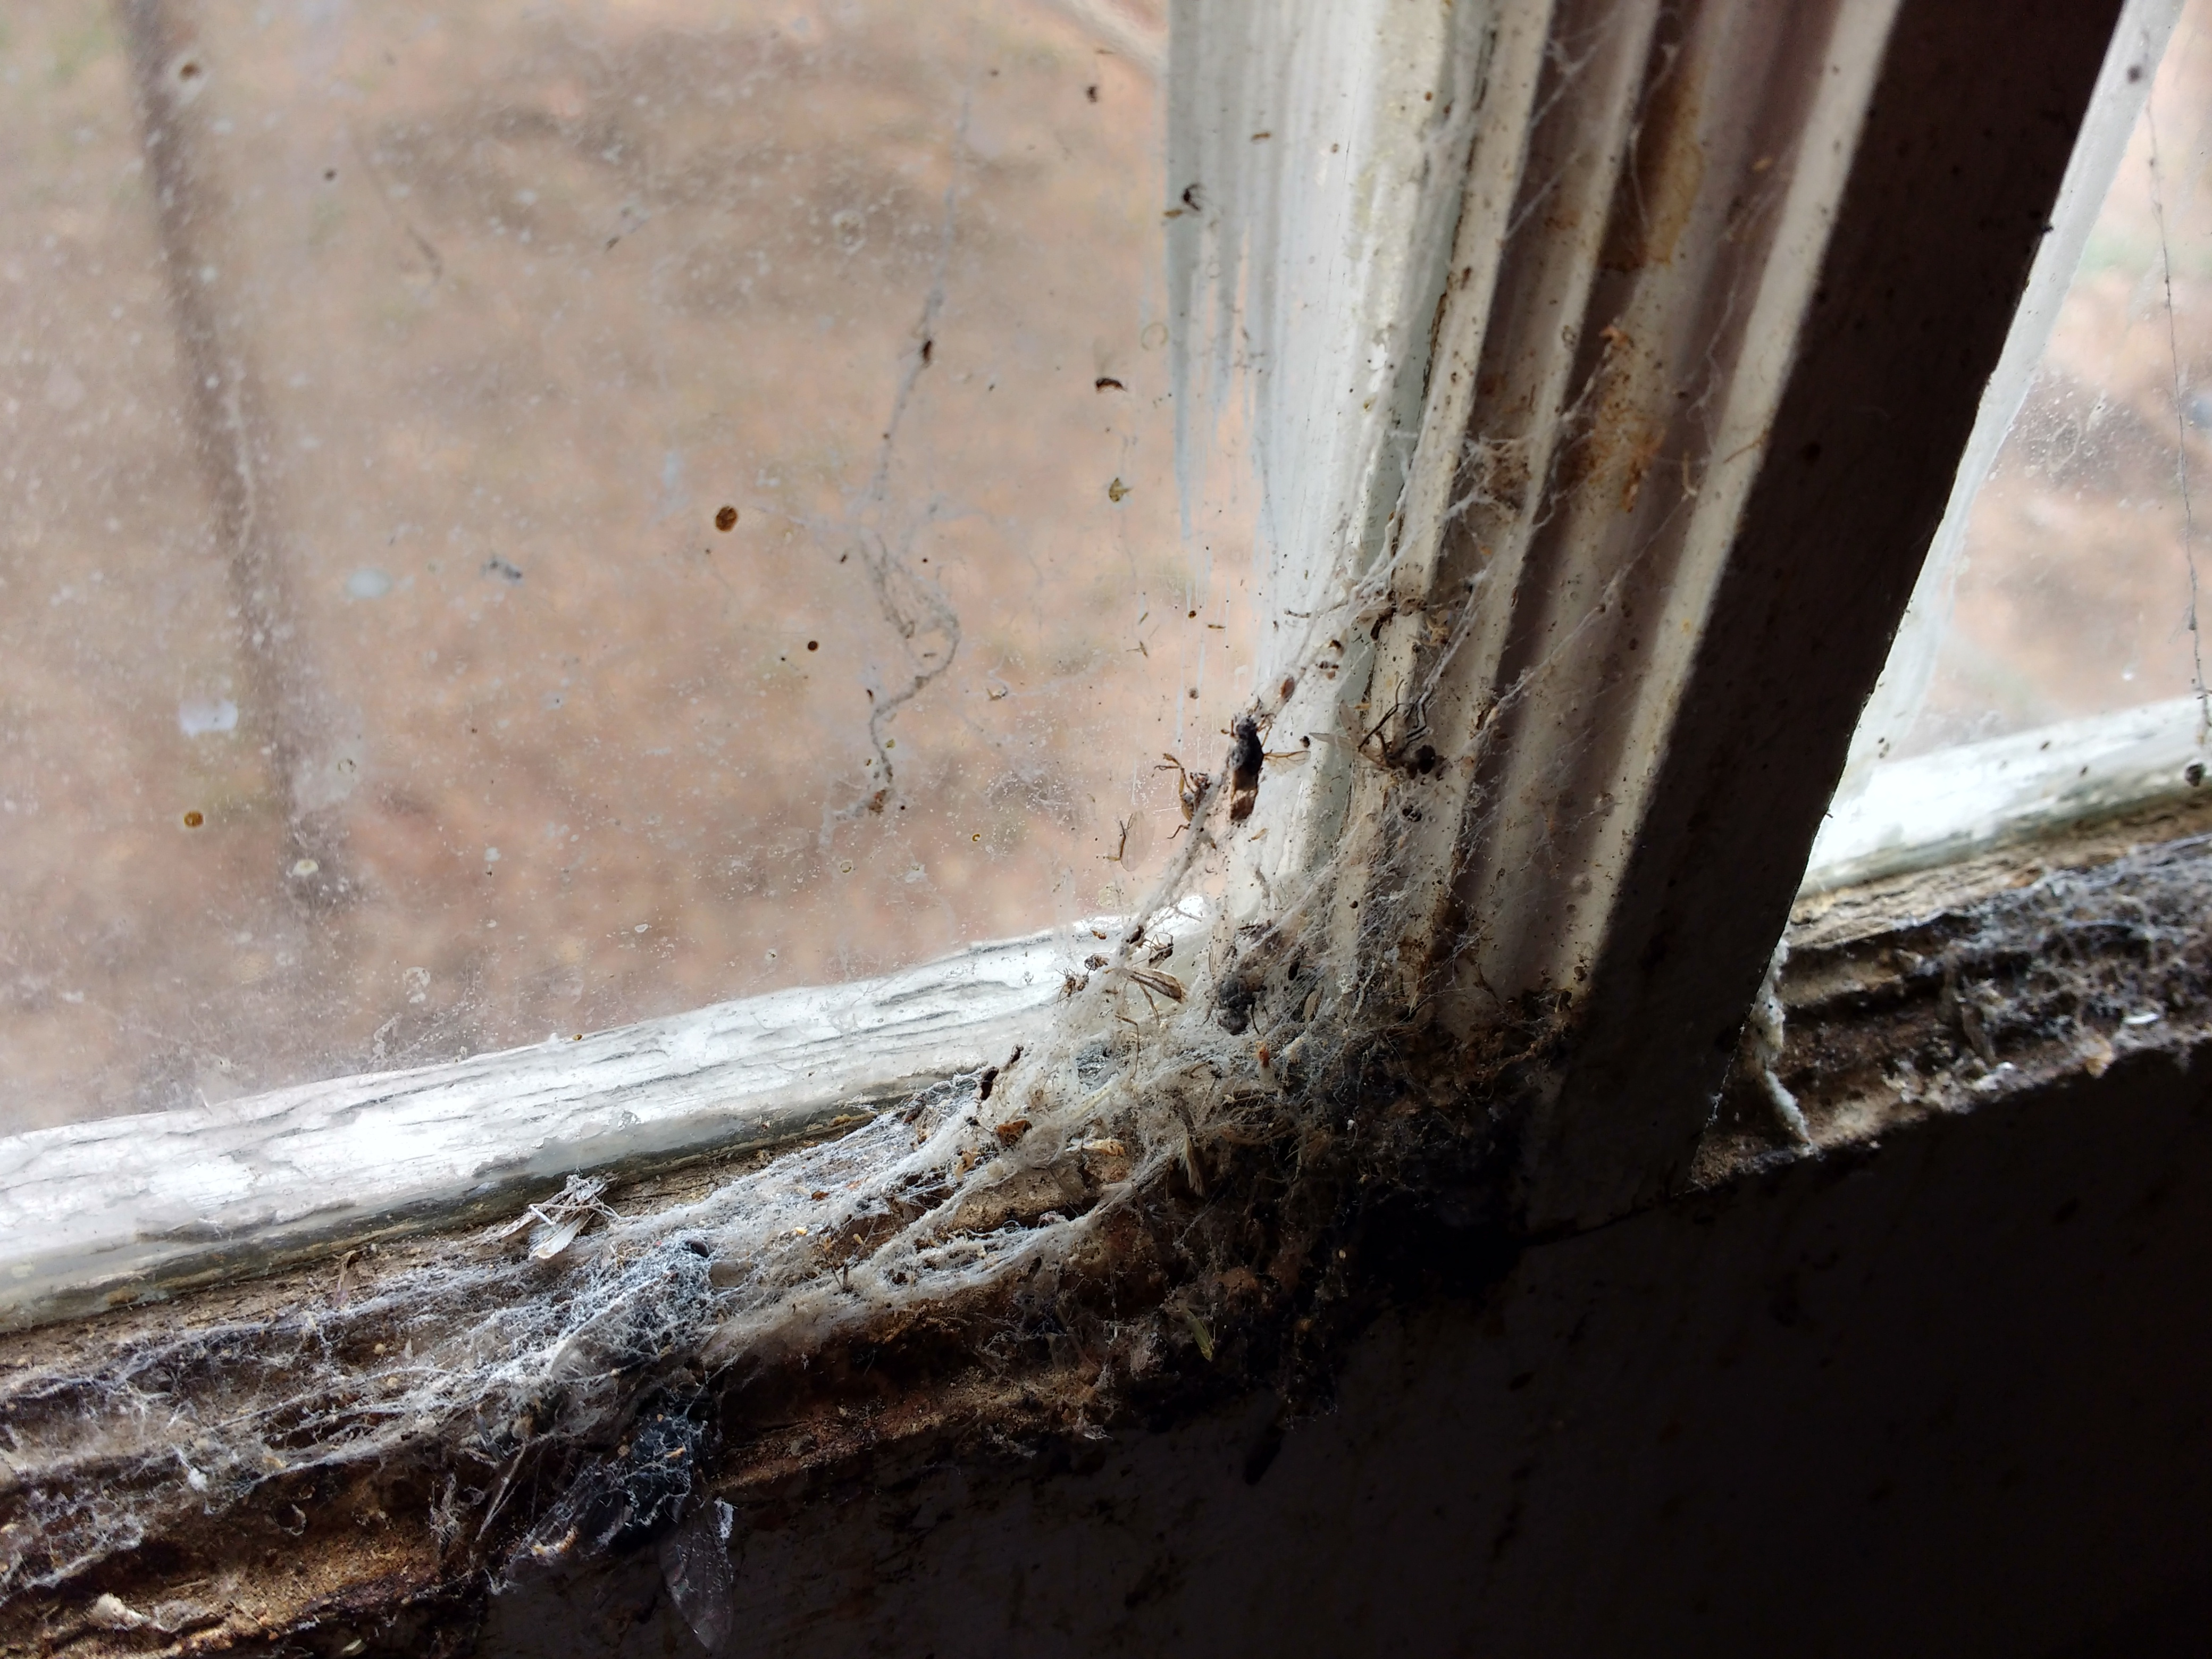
x: 200, y: 717
x: 367, y: 583
x: 64, y: 391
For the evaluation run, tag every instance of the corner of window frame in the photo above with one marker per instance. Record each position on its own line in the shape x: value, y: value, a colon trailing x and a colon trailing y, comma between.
x: 1581, y: 593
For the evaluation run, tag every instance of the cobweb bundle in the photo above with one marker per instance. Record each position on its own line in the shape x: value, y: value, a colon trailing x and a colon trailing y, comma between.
x: 482, y: 1359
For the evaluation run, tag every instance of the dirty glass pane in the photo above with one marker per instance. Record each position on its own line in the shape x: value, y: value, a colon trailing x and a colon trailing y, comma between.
x: 2074, y: 594
x: 528, y: 516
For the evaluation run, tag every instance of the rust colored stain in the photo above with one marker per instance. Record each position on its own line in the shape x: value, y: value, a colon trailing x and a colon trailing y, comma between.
x: 1626, y: 434
x: 1669, y: 169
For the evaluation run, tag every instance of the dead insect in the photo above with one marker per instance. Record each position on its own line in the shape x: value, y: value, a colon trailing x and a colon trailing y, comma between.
x: 563, y: 1217
x: 1011, y: 1130
x: 1191, y: 786
x: 1094, y: 962
x: 1409, y: 754
x: 1070, y: 984
x: 983, y: 1083
x: 1152, y: 980
x: 1108, y: 383
x: 726, y: 519
x: 1161, y: 952
x: 1244, y: 761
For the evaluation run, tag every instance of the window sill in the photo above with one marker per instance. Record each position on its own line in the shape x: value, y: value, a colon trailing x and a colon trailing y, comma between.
x: 1942, y: 809
x: 1945, y: 991
x: 120, y: 1210
x: 2028, y: 942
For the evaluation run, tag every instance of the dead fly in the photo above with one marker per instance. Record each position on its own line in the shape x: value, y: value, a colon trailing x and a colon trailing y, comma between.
x: 563, y: 1216
x: 1245, y: 757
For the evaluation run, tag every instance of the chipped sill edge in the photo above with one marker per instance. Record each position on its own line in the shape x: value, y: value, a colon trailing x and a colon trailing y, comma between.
x: 125, y: 1209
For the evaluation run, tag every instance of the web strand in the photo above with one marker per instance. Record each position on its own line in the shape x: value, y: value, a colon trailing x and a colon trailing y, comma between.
x: 2180, y: 432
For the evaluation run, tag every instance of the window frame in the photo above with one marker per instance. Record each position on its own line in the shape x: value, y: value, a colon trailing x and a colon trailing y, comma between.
x: 1788, y: 605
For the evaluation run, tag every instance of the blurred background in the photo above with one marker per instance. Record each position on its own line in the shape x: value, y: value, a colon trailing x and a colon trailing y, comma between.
x: 522, y: 516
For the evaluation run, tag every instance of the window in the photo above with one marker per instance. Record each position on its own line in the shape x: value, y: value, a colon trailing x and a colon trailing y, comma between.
x: 1579, y: 353
x: 2050, y: 669
x: 533, y: 519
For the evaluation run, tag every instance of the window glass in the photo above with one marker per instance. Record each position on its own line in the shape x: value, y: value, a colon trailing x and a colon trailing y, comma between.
x: 2050, y: 668
x: 528, y: 516
x: 2074, y: 592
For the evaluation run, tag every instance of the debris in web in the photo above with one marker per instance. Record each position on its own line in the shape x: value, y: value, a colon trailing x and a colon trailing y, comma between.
x: 560, y: 1219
